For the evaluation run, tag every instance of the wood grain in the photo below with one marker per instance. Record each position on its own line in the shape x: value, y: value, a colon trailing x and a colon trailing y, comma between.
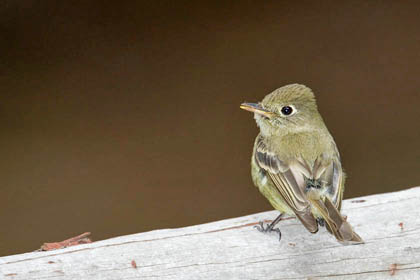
x: 232, y: 249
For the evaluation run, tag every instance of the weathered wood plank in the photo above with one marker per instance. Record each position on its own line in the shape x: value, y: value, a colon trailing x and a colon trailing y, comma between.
x: 233, y: 249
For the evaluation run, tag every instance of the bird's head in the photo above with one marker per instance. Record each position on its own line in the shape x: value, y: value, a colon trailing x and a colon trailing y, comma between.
x: 291, y: 108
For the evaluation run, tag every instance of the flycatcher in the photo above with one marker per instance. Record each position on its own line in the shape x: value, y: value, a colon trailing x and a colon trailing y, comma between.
x: 295, y: 163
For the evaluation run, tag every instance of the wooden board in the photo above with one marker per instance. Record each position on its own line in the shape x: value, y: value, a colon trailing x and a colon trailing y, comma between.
x: 233, y: 249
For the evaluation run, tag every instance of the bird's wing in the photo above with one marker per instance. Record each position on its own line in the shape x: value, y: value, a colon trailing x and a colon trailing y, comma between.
x: 291, y: 180
x: 288, y: 178
x: 331, y: 173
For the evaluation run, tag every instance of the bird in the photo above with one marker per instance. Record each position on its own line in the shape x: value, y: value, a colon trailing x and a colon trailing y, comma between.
x: 296, y: 164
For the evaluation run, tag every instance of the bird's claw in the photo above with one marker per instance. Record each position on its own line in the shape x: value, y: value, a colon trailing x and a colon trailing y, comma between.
x: 260, y: 227
x: 269, y: 228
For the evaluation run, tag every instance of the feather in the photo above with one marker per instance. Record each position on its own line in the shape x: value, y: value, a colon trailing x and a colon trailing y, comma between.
x: 285, y: 181
x: 307, y: 189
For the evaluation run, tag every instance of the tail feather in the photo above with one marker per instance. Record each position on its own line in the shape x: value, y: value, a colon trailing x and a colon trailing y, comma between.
x: 335, y: 222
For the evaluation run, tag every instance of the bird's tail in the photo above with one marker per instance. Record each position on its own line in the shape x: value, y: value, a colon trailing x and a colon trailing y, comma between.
x: 336, y: 224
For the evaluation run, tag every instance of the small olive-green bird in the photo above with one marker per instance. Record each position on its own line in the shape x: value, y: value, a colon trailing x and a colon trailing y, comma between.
x: 295, y: 163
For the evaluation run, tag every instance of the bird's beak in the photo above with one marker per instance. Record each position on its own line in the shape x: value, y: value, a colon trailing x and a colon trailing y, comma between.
x: 257, y: 109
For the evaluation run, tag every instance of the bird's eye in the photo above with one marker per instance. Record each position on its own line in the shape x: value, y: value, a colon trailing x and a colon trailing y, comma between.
x: 286, y: 110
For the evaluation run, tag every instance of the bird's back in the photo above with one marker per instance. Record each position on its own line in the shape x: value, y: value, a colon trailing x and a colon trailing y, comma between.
x: 313, y: 160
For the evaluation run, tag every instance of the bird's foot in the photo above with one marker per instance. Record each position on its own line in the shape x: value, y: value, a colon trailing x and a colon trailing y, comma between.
x: 268, y: 228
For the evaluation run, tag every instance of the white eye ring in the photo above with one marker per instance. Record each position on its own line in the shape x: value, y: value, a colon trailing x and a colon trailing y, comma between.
x: 288, y: 110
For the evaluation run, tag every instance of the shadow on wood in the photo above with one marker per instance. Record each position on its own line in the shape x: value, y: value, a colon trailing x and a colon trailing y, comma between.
x: 233, y: 249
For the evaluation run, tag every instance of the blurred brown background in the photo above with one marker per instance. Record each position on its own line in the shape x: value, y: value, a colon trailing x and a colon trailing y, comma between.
x: 121, y: 117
